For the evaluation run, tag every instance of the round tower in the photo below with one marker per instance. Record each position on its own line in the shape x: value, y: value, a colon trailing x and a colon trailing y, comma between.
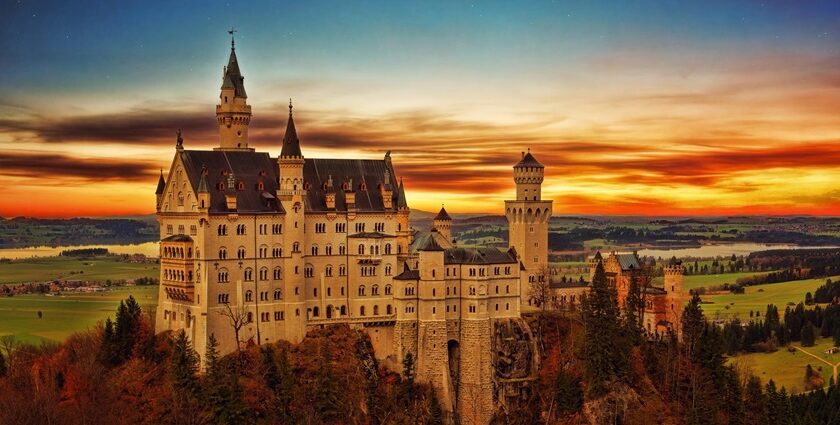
x: 528, y: 218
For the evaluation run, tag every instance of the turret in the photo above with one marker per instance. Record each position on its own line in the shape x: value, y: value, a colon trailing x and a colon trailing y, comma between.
x: 160, y: 187
x: 203, y: 192
x: 528, y: 174
x: 673, y: 272
x: 233, y: 113
x: 386, y: 190
x: 443, y: 223
x: 291, y: 160
x: 403, y: 228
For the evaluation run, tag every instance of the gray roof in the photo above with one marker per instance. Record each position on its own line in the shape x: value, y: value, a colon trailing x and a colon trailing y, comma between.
x: 654, y: 290
x: 421, y: 239
x: 628, y: 261
x: 408, y: 273
x: 354, y: 172
x: 177, y: 238
x: 370, y: 235
x: 249, y: 168
x: 479, y: 255
x: 401, y: 202
x: 528, y: 160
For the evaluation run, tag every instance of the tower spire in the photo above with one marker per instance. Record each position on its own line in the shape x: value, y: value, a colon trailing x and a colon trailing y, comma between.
x: 291, y: 143
x: 233, y: 112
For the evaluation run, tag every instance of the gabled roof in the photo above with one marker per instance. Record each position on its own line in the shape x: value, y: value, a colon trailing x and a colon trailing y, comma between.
x: 479, y: 255
x: 370, y: 235
x: 371, y: 172
x: 421, y: 239
x: 291, y: 143
x: 528, y: 160
x: 233, y: 79
x: 443, y: 215
x: 203, y: 187
x: 430, y: 244
x: 249, y: 168
x: 161, y: 184
x: 408, y: 274
x: 628, y: 261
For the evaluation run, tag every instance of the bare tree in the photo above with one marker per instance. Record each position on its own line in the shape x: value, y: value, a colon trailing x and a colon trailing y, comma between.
x: 237, y: 318
x: 539, y: 289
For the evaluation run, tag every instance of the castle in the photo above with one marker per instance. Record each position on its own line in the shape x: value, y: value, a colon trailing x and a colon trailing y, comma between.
x: 256, y: 249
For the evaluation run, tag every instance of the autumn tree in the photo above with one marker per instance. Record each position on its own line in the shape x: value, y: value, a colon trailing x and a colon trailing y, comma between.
x: 539, y: 289
x: 2, y: 365
x: 8, y: 344
x: 568, y: 394
x: 278, y: 377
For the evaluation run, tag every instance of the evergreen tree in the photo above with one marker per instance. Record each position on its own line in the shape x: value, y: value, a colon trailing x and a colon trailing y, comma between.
x: 755, y: 403
x: 808, y: 334
x: 632, y: 317
x: 326, y: 401
x: 125, y: 329
x: 692, y: 323
x: 568, y: 394
x: 108, y: 350
x: 605, y: 349
x: 436, y: 415
x: 184, y: 364
x: 836, y: 335
x: 223, y: 393
x: 407, y: 382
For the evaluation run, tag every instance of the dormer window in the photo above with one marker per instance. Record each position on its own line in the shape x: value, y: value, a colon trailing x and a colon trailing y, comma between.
x: 363, y: 187
x: 306, y: 186
x: 225, y: 172
x: 260, y: 186
x: 220, y: 185
x: 241, y: 186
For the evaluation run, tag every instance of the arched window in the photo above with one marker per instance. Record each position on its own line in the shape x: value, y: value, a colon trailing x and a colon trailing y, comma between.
x: 314, y: 249
x: 376, y: 310
x: 278, y: 294
x: 222, y: 253
x: 278, y: 273
x: 240, y: 253
x: 223, y: 276
x: 315, y: 312
x: 264, y: 273
x: 361, y: 249
x: 362, y: 311
x: 374, y: 290
x: 387, y: 289
x: 388, y: 309
x: 249, y: 274
x: 296, y: 247
x: 387, y: 249
x: 361, y: 290
x: 249, y: 296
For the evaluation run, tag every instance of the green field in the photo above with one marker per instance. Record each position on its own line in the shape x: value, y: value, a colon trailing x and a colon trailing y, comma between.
x: 95, y: 269
x: 788, y: 368
x: 756, y: 298
x: 63, y: 315
x: 707, y: 280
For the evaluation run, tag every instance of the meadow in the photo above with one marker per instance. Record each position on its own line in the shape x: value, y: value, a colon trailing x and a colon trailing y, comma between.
x: 65, y: 314
x: 756, y: 298
x: 787, y: 368
x: 90, y: 269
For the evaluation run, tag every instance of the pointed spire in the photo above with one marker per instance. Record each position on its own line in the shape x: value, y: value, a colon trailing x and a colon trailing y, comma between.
x: 161, y: 184
x: 233, y: 78
x: 291, y: 144
x: 401, y: 201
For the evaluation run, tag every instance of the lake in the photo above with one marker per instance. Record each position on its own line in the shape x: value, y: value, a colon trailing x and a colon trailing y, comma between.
x: 149, y: 249
x: 720, y: 250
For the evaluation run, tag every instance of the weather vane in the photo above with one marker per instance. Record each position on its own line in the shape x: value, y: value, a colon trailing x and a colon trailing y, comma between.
x: 231, y: 31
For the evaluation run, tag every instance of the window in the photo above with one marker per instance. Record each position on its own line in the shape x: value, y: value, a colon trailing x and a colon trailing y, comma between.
x: 376, y: 310
x: 314, y: 250
x: 296, y: 247
x: 387, y: 289
x: 249, y: 296
x: 362, y: 290
x: 240, y: 253
x: 222, y: 230
x: 278, y: 273
x: 342, y: 270
x: 249, y: 274
x: 360, y: 227
x: 263, y: 251
x: 223, y: 298
x: 278, y: 294
x: 264, y: 273
x: 472, y: 290
x: 278, y: 315
x: 315, y: 292
x: 342, y: 250
x: 328, y: 271
x: 472, y: 309
x: 388, y: 309
x: 276, y: 229
x: 507, y: 289
x: 374, y: 290
x: 387, y: 249
x: 193, y: 229
x: 168, y: 229
x: 320, y: 227
x: 223, y: 276
x: 409, y: 290
x: 387, y: 270
x: 328, y: 250
x: 240, y: 229
x: 379, y: 227
x: 308, y: 271
x: 362, y: 311
x: 361, y: 249
x: 222, y: 253
x: 250, y: 317
x: 340, y: 227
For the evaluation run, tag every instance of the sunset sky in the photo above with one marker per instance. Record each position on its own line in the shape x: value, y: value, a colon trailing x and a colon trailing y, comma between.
x: 644, y: 107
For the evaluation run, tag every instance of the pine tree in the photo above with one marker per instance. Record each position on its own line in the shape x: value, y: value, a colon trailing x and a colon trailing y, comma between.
x: 633, y: 308
x: 568, y: 394
x: 808, y: 334
x: 125, y: 329
x: 222, y: 392
x: 692, y: 323
x: 184, y: 364
x: 407, y: 382
x: 327, y: 401
x: 605, y: 349
x: 108, y: 350
x: 755, y: 403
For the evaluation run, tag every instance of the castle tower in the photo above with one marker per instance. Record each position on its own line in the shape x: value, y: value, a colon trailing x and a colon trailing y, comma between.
x: 292, y: 197
x: 432, y: 356
x: 674, y: 301
x: 528, y: 218
x: 443, y: 224
x: 233, y: 112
